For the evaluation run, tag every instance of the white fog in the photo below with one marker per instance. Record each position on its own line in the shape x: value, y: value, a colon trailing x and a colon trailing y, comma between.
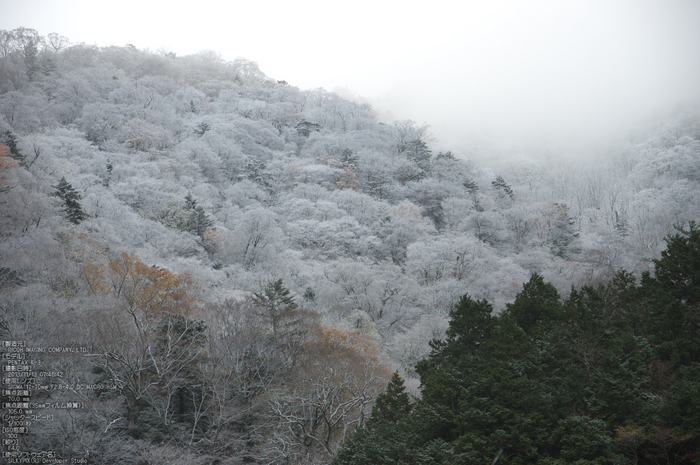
x: 538, y: 74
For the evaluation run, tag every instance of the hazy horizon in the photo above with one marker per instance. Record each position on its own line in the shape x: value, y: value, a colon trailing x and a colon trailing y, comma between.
x: 543, y: 73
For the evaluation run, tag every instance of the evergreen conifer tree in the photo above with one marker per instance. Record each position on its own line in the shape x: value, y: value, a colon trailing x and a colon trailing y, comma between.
x: 393, y: 404
x: 71, y: 201
x: 197, y: 221
x: 538, y: 302
x: 418, y: 151
x: 275, y: 300
x: 500, y: 184
x: 678, y: 269
x: 10, y: 140
x: 471, y: 186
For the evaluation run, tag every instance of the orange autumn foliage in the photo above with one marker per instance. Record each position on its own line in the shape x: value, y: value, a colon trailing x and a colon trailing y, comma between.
x: 336, y: 376
x: 5, y: 161
x: 341, y: 354
x: 147, y: 290
x: 349, y: 339
x: 151, y: 290
x: 213, y: 241
x: 94, y: 277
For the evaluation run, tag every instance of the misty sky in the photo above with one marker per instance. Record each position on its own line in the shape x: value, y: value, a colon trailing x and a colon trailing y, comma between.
x: 498, y: 69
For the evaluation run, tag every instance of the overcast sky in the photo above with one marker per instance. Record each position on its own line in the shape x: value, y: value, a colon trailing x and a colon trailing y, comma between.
x: 500, y: 68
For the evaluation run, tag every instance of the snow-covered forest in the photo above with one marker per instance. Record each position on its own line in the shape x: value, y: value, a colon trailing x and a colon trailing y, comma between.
x: 249, y: 262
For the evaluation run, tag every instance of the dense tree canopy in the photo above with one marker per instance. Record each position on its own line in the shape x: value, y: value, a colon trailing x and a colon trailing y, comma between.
x: 593, y: 379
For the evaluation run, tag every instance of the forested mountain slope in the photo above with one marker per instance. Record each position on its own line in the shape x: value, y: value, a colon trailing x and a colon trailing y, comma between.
x: 609, y: 375
x: 161, y: 198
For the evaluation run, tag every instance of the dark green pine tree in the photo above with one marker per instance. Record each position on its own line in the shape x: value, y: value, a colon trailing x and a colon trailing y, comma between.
x: 200, y: 221
x: 197, y: 221
x: 9, y: 139
x: 674, y: 295
x: 470, y: 325
x: 393, y: 405
x: 418, y: 151
x: 471, y: 186
x: 538, y: 302
x: 305, y: 128
x: 276, y: 296
x: 202, y: 129
x: 348, y: 157
x: 275, y: 299
x: 678, y: 269
x: 500, y: 184
x: 190, y: 202
x: 71, y: 201
x: 110, y: 169
x: 393, y: 435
